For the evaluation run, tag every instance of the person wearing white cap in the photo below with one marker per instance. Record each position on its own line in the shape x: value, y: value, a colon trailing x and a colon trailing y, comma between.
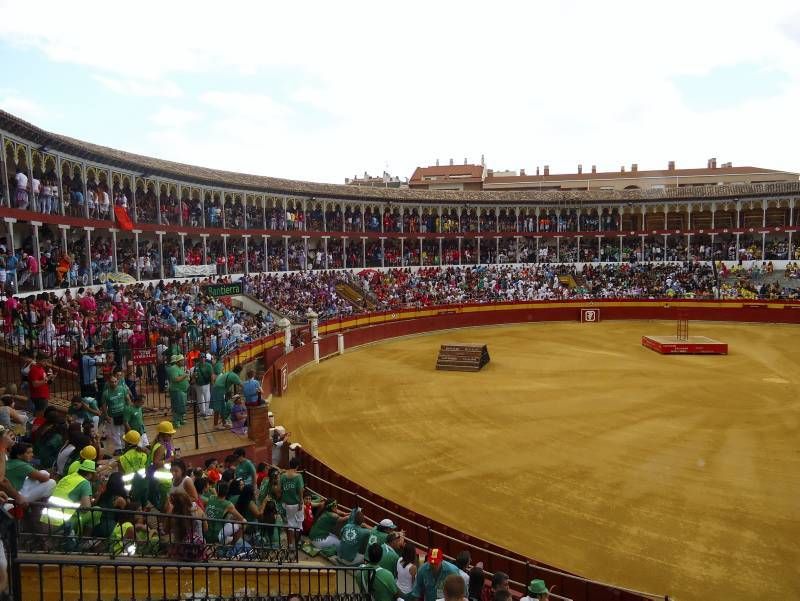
x: 381, y: 531
x: 201, y: 377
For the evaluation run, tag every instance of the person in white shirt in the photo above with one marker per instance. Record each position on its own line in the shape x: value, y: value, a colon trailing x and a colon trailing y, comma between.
x: 22, y: 189
x: 104, y: 203
x: 36, y: 188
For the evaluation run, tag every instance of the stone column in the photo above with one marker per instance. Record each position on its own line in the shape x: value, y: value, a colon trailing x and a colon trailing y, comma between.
x: 286, y: 326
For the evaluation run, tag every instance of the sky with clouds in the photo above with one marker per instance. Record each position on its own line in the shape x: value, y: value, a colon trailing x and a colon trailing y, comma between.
x: 322, y: 91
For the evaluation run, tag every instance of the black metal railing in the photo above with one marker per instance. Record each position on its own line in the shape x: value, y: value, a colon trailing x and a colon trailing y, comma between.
x: 82, y: 579
x: 117, y: 533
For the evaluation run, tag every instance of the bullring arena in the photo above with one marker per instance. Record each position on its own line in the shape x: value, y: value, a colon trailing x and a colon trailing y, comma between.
x: 576, y: 456
x: 581, y: 448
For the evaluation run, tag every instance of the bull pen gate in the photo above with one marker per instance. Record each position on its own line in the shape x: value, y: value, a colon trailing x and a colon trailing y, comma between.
x: 130, y: 346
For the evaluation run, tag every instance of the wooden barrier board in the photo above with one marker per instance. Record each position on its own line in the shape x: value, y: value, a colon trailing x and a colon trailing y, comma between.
x: 462, y: 357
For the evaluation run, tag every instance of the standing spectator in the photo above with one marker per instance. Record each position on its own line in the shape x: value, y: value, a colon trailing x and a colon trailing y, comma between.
x: 114, y: 399
x: 280, y: 439
x: 22, y: 189
x: 178, y: 387
x: 462, y: 563
x: 292, y: 485
x: 222, y: 385
x: 477, y: 581
x: 251, y: 389
x: 429, y: 584
x: 407, y: 567
x: 89, y: 373
x: 391, y: 551
x: 134, y: 419
x: 383, y: 586
x: 201, y: 376
x: 245, y: 470
x: 39, y: 385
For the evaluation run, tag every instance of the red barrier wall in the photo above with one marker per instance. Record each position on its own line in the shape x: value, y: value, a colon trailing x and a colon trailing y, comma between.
x: 365, y: 329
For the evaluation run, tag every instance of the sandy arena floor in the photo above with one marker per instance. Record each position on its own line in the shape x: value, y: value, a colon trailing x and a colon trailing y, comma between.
x: 579, y: 447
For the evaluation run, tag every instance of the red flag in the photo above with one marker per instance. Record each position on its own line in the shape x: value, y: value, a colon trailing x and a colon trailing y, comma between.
x: 123, y: 219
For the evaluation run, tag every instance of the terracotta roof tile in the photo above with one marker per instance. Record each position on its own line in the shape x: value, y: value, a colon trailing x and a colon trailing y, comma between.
x: 262, y: 184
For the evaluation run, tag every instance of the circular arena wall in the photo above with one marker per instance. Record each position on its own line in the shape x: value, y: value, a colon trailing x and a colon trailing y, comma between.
x: 377, y: 327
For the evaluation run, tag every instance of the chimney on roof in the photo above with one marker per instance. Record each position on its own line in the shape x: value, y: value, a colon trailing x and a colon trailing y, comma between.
x: 634, y: 167
x: 451, y: 162
x: 727, y: 165
x: 580, y: 168
x: 714, y: 163
x: 594, y: 168
x: 546, y: 170
x: 490, y: 172
x: 465, y: 160
x: 483, y: 161
x: 522, y: 172
x: 622, y: 169
x: 671, y: 165
x: 437, y: 162
x: 537, y: 171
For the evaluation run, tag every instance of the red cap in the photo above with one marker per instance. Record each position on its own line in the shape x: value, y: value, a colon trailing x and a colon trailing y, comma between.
x: 435, y: 557
x: 214, y: 476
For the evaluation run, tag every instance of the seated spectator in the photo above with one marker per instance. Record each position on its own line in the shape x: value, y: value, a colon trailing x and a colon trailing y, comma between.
x: 537, y: 591
x: 184, y: 531
x: 32, y: 484
x: 353, y: 539
x: 326, y: 525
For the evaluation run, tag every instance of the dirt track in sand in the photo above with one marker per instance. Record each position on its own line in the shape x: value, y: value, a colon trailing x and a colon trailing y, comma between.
x: 676, y: 475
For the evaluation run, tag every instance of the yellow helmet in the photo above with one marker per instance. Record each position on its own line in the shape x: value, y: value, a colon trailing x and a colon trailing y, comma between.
x: 132, y: 437
x: 166, y: 427
x: 89, y: 452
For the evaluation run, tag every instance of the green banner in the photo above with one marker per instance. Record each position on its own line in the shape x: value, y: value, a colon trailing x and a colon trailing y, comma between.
x: 224, y: 289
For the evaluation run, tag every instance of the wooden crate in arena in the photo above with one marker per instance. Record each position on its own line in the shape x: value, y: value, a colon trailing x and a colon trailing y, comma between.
x: 462, y: 357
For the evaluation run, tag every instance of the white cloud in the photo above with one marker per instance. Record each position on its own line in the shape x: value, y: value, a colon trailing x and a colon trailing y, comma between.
x: 168, y: 116
x: 18, y: 104
x: 139, y: 87
x: 334, y: 89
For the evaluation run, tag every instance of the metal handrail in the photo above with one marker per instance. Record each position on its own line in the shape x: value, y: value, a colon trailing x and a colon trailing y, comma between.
x: 653, y: 596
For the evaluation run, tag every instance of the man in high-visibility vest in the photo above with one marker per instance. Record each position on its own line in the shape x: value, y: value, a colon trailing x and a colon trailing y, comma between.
x: 132, y: 464
x: 72, y: 493
x: 159, y: 476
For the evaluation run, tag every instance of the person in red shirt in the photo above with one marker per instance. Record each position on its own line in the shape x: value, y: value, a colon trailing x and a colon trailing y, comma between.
x: 39, y: 380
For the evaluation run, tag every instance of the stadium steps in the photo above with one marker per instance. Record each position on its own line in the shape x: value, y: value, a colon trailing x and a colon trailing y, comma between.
x: 355, y: 296
x: 56, y: 577
x: 568, y: 281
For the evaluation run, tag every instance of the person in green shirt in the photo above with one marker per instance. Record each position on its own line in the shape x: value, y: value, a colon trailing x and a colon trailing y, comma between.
x: 178, y: 387
x: 381, y: 531
x: 353, y: 539
x: 115, y: 396
x: 391, y: 551
x: 30, y: 483
x: 223, y: 383
x: 291, y: 496
x: 327, y: 525
x: 220, y: 508
x: 134, y: 420
x: 202, y: 375
x: 245, y: 470
x: 384, y: 586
